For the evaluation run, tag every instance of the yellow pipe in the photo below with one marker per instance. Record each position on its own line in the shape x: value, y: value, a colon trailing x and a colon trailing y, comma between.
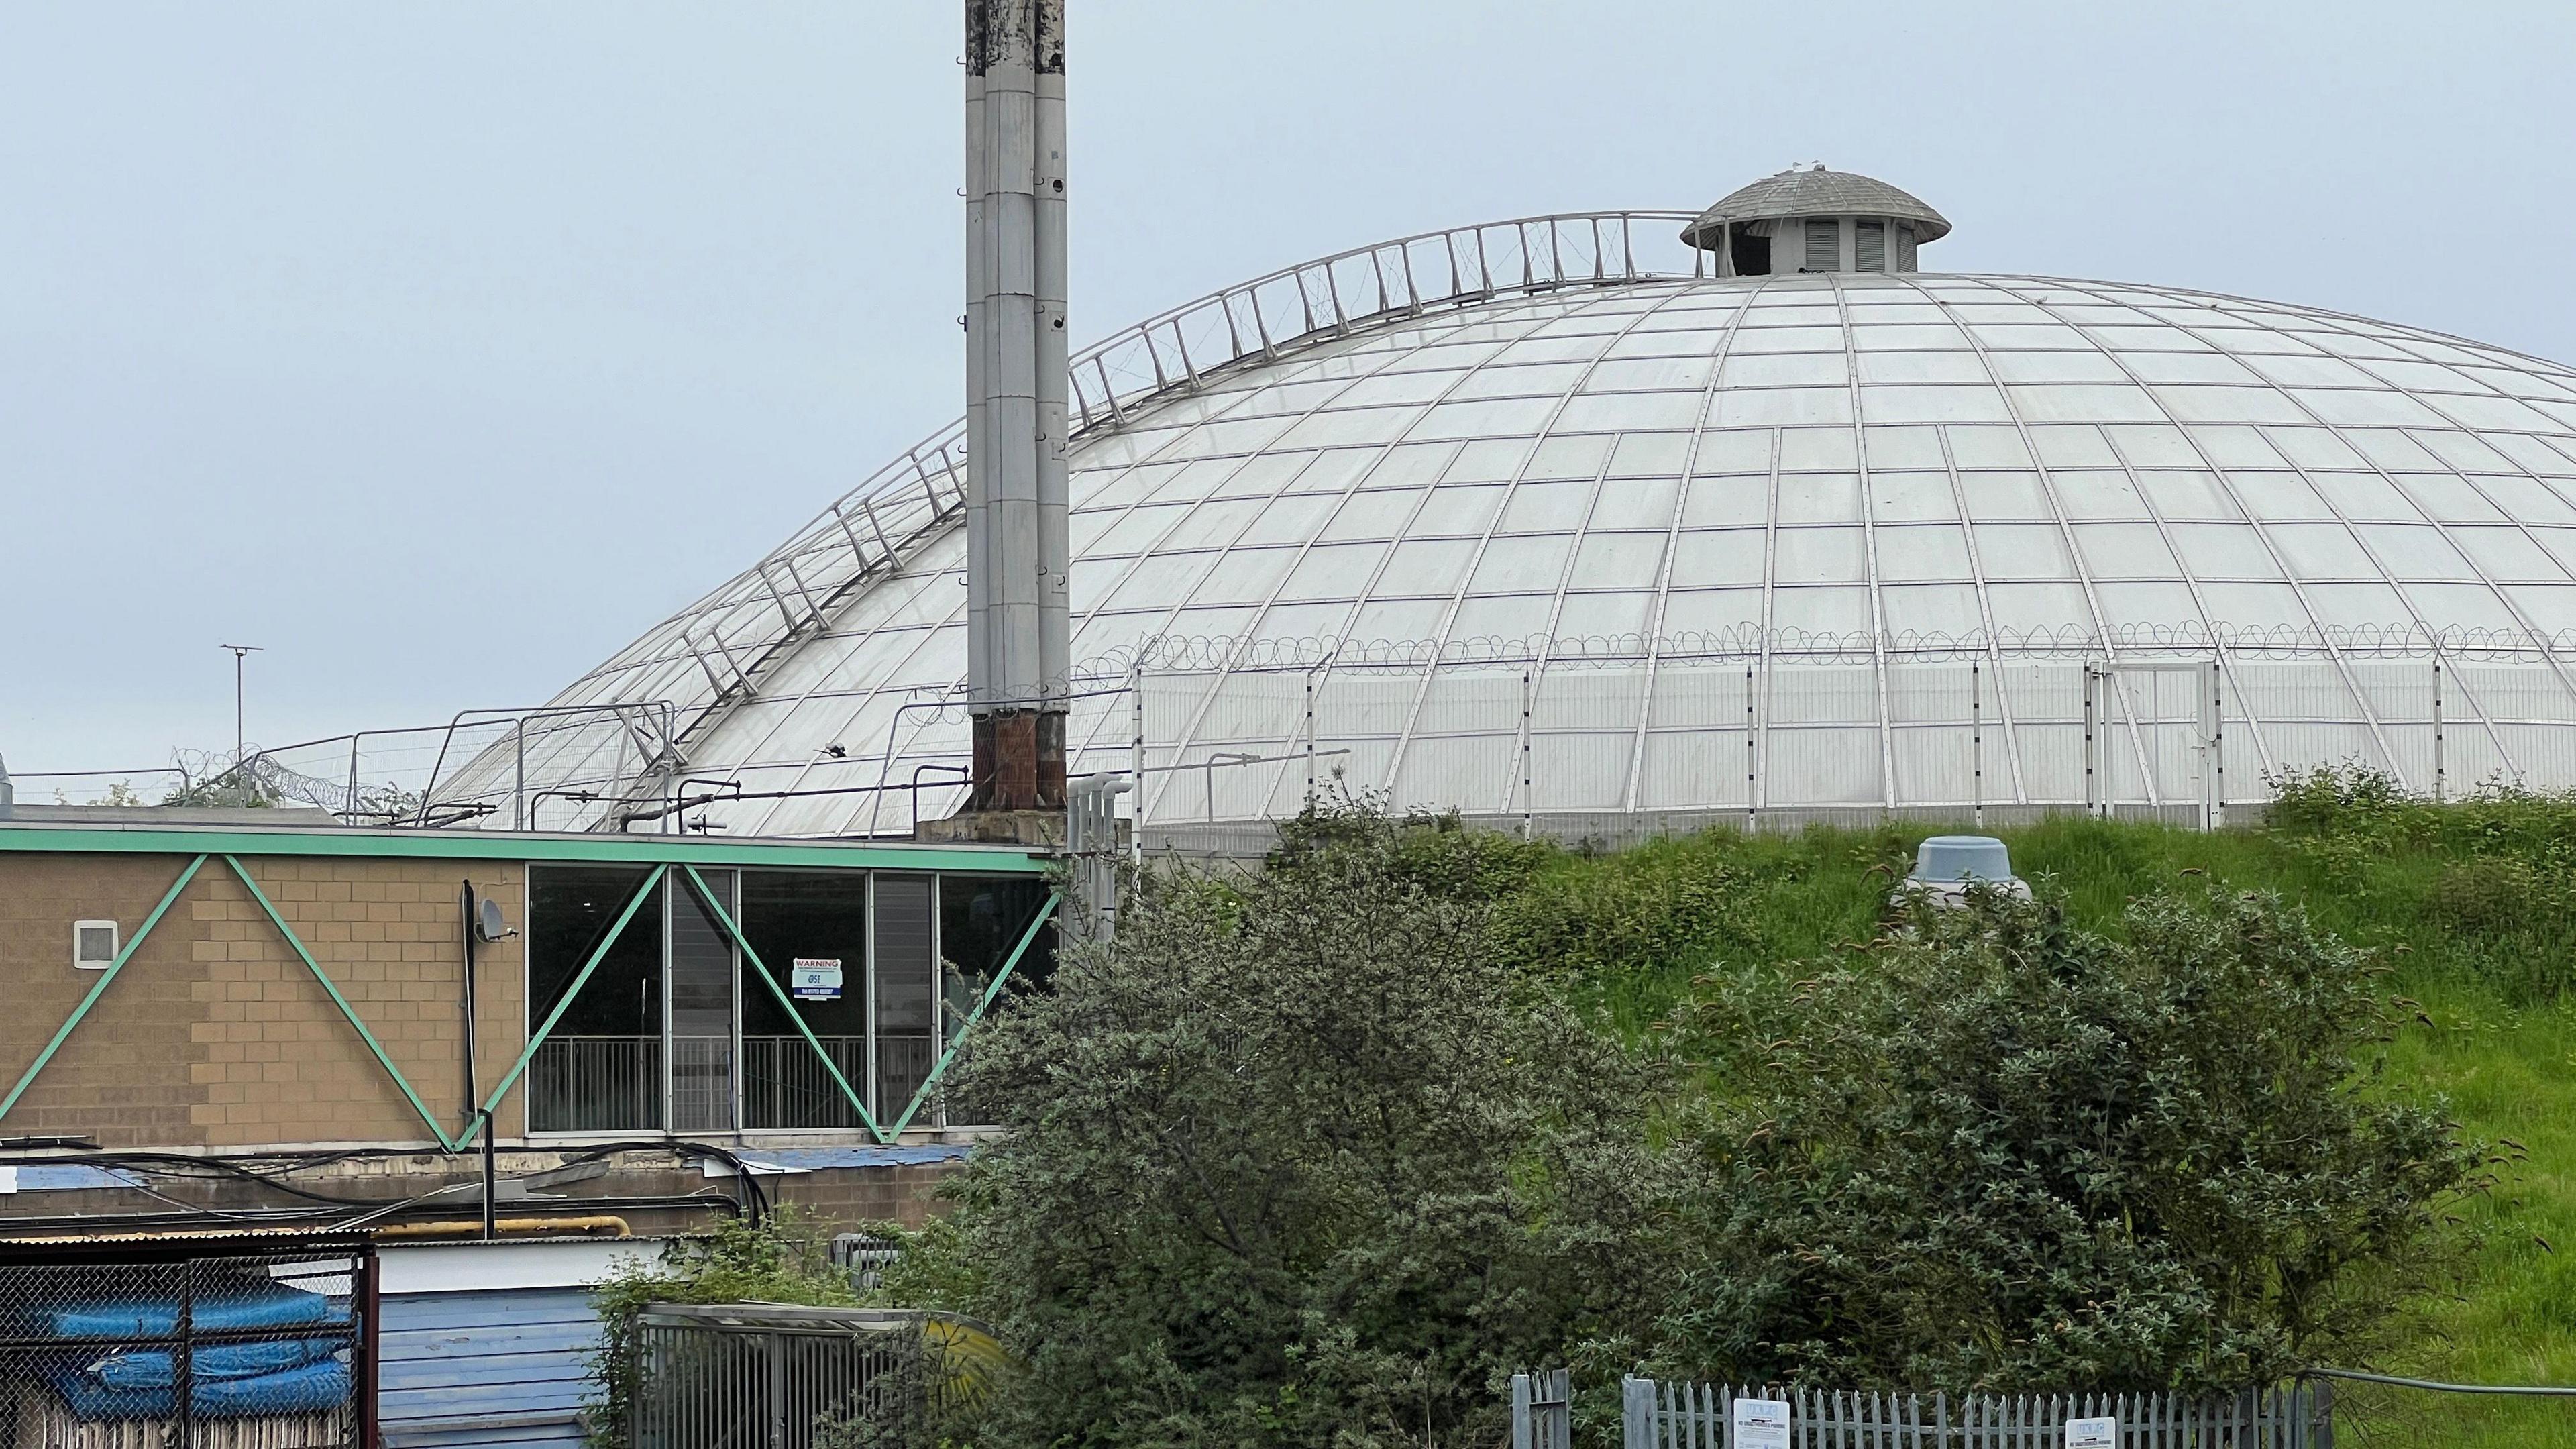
x: 600, y: 1225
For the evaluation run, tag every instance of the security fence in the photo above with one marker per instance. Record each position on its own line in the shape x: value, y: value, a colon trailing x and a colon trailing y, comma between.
x: 1658, y: 1414
x: 207, y: 1343
x: 1619, y: 739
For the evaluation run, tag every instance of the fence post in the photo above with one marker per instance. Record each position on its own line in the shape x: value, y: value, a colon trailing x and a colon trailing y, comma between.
x: 2218, y: 732
x: 2089, y: 750
x: 1310, y: 738
x: 2437, y: 729
x: 1752, y: 763
x: 1521, y: 1412
x: 1525, y: 754
x: 1977, y: 736
x: 1636, y: 1413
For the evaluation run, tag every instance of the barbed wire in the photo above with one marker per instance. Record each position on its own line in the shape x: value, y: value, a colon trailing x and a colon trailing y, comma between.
x: 1750, y: 643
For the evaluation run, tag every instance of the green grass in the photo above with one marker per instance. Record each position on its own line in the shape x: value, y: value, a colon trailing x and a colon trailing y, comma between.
x: 2465, y: 901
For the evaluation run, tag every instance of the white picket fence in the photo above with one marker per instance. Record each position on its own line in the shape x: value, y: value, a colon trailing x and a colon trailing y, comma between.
x: 1656, y: 1414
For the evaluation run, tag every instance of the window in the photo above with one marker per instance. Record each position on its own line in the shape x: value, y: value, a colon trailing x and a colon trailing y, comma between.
x: 1824, y: 244
x: 1904, y: 246
x: 905, y: 988
x: 1751, y: 254
x: 980, y: 920
x: 674, y: 1025
x: 601, y: 1069
x: 93, y: 945
x: 1869, y: 243
x: 810, y: 929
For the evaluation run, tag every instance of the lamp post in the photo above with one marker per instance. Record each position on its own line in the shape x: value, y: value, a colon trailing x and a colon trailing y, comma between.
x: 240, y: 652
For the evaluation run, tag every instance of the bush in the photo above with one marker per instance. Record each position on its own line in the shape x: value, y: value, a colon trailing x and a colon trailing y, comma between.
x: 1992, y: 1151
x: 1300, y: 1160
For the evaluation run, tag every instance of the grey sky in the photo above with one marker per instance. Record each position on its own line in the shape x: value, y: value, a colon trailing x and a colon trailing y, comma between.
x: 442, y: 349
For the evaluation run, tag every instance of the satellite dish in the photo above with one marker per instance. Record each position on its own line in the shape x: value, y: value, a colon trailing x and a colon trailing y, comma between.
x: 489, y: 924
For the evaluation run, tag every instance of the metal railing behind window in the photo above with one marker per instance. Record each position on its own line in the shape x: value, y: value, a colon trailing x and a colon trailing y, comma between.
x: 596, y: 1084
x: 784, y: 1084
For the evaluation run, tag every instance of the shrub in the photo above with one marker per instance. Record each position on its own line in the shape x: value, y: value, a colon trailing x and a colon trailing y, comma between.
x: 1992, y: 1151
x: 1300, y: 1160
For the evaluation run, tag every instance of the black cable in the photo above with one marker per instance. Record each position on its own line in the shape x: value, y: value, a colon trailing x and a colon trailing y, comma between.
x: 234, y: 1167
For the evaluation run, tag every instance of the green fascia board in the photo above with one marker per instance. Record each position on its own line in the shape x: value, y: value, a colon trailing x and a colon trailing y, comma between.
x: 523, y: 846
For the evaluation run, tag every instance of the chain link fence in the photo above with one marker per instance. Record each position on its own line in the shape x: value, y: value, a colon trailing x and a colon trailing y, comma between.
x: 207, y: 1343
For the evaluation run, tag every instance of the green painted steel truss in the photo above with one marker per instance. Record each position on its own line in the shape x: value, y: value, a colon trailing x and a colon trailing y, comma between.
x: 457, y: 1141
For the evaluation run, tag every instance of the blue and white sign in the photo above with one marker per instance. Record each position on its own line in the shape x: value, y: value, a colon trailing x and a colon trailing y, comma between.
x: 1761, y: 1424
x: 815, y: 978
x: 2103, y: 1433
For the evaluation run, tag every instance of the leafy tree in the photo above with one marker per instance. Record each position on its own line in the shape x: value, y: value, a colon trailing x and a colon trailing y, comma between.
x: 1993, y: 1151
x: 1300, y: 1160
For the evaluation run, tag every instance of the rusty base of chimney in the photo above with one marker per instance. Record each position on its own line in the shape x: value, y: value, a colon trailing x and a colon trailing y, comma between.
x: 1019, y: 761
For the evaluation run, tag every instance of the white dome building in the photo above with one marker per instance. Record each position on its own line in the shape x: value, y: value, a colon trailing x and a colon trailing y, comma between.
x: 1620, y: 522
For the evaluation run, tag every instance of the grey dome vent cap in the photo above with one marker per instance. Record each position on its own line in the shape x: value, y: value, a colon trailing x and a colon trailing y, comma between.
x: 1818, y: 192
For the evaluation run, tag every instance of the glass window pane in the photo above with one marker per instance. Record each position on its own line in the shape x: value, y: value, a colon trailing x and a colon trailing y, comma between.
x: 981, y: 920
x: 2418, y: 552
x: 1912, y: 498
x: 2224, y: 550
x: 702, y: 981
x: 2132, y: 550
x: 810, y: 929
x: 1818, y: 556
x: 2023, y: 551
x: 902, y: 989
x: 2322, y: 551
x: 1923, y: 552
x: 1729, y: 556
x: 1819, y: 498
x: 600, y: 1069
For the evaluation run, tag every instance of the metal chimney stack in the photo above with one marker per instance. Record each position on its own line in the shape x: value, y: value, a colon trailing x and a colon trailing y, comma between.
x: 1019, y: 642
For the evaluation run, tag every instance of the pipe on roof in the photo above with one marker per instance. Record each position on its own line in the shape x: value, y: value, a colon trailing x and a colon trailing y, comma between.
x: 591, y: 1225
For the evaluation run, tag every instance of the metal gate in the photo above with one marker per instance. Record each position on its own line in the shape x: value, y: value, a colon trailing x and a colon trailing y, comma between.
x: 771, y: 1376
x: 2155, y: 741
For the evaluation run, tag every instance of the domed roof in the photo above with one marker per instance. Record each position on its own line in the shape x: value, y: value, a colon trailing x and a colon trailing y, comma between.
x: 1816, y: 192
x: 1637, y: 491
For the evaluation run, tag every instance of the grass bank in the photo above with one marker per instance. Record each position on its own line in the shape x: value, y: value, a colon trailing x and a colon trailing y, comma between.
x: 2473, y: 906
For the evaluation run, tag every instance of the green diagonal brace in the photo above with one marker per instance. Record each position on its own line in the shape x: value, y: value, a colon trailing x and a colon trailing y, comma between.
x: 382, y: 1059
x: 999, y: 978
x: 580, y: 979
x: 95, y: 992
x: 762, y: 969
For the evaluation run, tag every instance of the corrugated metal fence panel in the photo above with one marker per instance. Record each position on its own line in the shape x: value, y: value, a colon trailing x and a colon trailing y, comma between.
x: 506, y: 1367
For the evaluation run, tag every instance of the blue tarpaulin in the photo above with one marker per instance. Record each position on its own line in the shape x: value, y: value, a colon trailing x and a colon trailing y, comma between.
x: 271, y: 1305
x: 158, y: 1367
x: 302, y: 1390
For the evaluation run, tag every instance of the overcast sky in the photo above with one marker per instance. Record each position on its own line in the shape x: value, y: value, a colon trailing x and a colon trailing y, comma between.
x: 441, y: 349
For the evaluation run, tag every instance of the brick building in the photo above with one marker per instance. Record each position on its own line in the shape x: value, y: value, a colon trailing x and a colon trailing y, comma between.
x: 306, y: 1021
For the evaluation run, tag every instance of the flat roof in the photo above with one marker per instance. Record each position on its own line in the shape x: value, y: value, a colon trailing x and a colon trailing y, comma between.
x: 172, y: 838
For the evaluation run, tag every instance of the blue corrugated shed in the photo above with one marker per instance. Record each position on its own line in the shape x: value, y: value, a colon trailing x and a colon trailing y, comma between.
x: 505, y: 1366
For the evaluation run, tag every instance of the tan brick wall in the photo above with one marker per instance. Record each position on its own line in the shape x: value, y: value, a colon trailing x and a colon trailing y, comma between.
x: 217, y: 1035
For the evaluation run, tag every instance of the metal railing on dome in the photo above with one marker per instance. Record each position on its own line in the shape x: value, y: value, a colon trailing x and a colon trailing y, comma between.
x: 713, y: 654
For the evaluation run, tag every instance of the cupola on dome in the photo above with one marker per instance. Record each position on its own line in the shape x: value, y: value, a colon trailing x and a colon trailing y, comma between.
x: 1815, y: 220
